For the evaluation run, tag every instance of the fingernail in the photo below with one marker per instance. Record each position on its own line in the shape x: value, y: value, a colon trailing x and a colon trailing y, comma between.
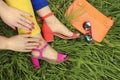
x: 14, y: 28
x: 40, y: 40
x: 32, y: 27
x: 33, y: 23
x: 29, y: 32
x: 38, y: 45
x: 31, y: 16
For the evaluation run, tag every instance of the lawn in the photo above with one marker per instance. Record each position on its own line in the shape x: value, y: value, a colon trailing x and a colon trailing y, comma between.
x: 88, y: 61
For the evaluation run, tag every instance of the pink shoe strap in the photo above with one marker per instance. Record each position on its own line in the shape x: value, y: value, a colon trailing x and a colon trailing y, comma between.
x: 41, y: 50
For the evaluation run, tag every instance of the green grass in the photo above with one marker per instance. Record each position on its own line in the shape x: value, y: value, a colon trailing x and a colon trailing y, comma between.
x: 96, y: 61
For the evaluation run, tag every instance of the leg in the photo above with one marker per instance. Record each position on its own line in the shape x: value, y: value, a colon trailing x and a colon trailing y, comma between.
x: 42, y: 9
x: 27, y: 7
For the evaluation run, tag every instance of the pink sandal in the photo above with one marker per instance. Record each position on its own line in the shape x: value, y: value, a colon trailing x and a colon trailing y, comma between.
x: 35, y: 61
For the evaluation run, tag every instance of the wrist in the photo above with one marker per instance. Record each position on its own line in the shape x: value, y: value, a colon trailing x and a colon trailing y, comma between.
x: 3, y: 42
x: 8, y: 44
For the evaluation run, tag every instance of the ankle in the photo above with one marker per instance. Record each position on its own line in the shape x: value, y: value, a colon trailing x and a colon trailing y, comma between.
x: 44, y: 11
x: 51, y: 18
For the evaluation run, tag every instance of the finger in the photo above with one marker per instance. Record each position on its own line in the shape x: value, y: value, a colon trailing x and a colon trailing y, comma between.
x: 38, y: 36
x: 32, y: 44
x: 25, y: 35
x: 27, y: 50
x: 33, y: 40
x: 26, y: 14
x: 30, y: 47
x: 26, y: 20
x: 27, y: 25
x: 13, y: 27
x: 22, y: 27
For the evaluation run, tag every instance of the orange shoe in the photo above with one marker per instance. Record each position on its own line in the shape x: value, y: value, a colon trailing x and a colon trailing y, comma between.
x: 48, y: 34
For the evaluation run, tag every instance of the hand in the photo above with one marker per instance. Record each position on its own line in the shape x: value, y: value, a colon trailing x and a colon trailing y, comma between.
x: 16, y: 18
x: 22, y: 43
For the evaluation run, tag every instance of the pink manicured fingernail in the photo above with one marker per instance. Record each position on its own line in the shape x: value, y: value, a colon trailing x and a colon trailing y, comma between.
x: 31, y: 16
x: 14, y: 28
x: 33, y: 23
x: 32, y: 27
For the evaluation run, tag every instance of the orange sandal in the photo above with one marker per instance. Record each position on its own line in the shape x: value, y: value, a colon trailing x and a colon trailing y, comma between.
x: 48, y: 34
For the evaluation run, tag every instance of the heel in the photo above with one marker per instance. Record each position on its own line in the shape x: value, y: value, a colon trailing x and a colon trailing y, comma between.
x: 35, y: 62
x: 48, y: 35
